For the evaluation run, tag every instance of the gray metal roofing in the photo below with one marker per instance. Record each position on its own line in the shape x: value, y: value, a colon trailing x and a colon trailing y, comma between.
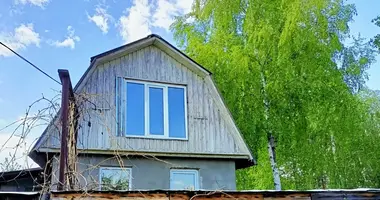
x: 22, y: 170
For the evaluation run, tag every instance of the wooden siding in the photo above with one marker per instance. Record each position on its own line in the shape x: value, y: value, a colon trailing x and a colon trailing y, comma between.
x: 208, y: 130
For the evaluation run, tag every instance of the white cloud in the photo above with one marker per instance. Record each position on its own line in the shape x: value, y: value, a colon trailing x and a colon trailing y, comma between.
x: 22, y: 37
x: 14, y: 145
x: 185, y: 5
x: 69, y: 41
x: 143, y: 15
x: 101, y: 19
x: 19, y: 143
x: 166, y: 10
x: 40, y: 3
x: 163, y: 14
x: 136, y: 23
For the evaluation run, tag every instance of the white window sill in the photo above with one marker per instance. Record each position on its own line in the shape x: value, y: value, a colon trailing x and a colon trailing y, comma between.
x: 153, y: 137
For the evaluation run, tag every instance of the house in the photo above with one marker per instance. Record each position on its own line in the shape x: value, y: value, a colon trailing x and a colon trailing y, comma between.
x: 150, y: 117
x: 25, y: 180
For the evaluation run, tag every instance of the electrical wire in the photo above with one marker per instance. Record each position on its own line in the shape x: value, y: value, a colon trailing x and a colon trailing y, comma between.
x: 30, y: 63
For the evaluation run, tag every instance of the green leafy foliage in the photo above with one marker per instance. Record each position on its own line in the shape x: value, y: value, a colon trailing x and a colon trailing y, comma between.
x: 376, y: 39
x: 324, y: 121
x: 355, y: 61
x: 108, y: 184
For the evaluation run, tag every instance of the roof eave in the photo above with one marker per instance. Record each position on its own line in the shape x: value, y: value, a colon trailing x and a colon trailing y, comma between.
x: 38, y: 157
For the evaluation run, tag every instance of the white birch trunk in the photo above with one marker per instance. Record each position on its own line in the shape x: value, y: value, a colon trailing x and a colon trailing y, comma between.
x: 271, y: 142
x: 273, y: 164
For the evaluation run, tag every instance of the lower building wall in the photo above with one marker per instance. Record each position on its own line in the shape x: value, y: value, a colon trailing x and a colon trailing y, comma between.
x: 149, y: 173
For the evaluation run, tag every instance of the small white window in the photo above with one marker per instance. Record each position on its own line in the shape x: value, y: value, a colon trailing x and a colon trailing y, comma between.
x: 115, y: 178
x: 184, y: 179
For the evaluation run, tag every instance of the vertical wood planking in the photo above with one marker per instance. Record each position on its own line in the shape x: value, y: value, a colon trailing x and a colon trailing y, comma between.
x: 107, y: 103
x: 218, y: 130
x: 81, y: 127
x: 196, y: 98
x: 90, y: 112
x: 190, y: 101
x: 112, y: 88
x: 103, y: 110
x: 207, y: 129
x: 210, y: 132
x: 85, y: 113
x: 99, y: 96
x: 206, y: 104
x: 137, y: 65
x: 202, y: 115
x: 162, y: 63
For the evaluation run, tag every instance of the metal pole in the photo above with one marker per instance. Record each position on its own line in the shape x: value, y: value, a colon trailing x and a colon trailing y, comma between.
x: 65, y: 80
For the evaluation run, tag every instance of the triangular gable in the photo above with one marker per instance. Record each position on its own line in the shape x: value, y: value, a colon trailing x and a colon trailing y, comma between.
x: 169, y: 49
x: 140, y: 44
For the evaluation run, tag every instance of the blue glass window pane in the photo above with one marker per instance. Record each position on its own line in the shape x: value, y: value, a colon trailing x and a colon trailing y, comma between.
x: 183, y: 181
x: 115, y: 178
x: 135, y: 109
x: 156, y: 111
x: 176, y: 103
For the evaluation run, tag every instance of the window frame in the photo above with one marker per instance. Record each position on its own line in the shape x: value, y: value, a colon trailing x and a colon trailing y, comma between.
x: 119, y: 168
x: 185, y: 171
x: 164, y: 86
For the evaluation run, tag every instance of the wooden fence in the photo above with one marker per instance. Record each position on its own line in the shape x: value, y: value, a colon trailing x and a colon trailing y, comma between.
x: 220, y: 195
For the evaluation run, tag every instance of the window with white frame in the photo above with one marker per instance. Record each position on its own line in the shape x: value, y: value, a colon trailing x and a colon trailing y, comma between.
x: 184, y: 179
x: 115, y: 178
x: 155, y: 110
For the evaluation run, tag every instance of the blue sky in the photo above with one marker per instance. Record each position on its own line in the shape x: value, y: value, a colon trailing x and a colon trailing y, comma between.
x: 57, y: 34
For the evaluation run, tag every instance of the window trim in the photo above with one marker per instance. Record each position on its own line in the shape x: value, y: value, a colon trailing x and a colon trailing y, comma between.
x: 185, y: 171
x: 125, y: 168
x: 165, y: 86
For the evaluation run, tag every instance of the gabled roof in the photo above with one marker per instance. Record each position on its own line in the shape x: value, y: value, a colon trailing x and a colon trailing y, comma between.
x: 121, y: 48
x: 165, y: 46
x: 152, y: 39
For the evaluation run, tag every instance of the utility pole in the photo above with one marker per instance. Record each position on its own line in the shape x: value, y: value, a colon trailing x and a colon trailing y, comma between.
x: 67, y: 95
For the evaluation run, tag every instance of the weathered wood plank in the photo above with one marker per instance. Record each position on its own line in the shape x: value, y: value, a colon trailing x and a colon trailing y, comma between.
x: 208, y: 131
x: 212, y: 195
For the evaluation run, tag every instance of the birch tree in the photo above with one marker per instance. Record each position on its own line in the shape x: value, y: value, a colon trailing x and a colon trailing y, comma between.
x: 376, y: 39
x: 276, y: 64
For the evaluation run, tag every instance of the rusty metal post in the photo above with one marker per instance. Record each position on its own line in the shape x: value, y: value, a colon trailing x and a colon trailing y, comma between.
x: 65, y: 80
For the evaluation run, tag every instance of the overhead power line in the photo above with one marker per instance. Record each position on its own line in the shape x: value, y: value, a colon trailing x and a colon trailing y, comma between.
x: 30, y: 63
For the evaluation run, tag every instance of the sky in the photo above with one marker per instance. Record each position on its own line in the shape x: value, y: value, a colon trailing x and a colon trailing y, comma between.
x: 56, y: 34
